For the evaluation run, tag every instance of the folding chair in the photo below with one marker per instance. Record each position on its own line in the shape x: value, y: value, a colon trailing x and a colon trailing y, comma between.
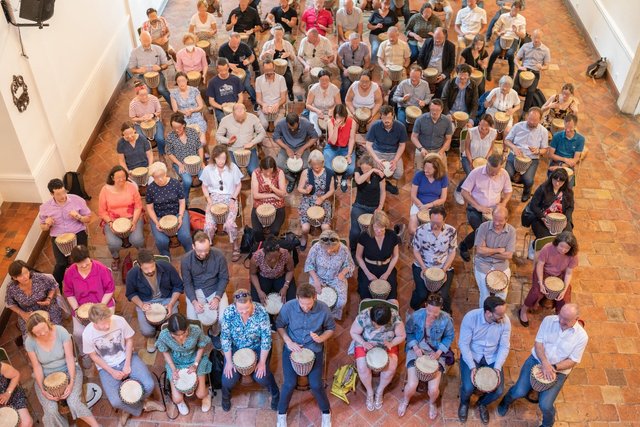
x: 156, y: 258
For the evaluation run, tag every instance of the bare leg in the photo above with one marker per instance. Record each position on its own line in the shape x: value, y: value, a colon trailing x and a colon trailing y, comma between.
x: 385, y: 378
x: 434, y: 393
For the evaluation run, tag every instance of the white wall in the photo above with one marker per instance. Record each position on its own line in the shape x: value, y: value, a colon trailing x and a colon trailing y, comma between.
x: 613, y: 28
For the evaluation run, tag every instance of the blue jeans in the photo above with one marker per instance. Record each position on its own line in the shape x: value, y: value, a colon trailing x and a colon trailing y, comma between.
x: 546, y: 399
x: 290, y: 379
x: 474, y: 218
x: 187, y: 180
x: 162, y: 87
x: 345, y: 84
x: 497, y: 49
x: 413, y: 47
x: 253, y: 160
x: 354, y: 232
x: 330, y: 152
x: 375, y: 44
x: 219, y: 115
x: 267, y: 381
x: 466, y: 165
x: 111, y: 386
x: 528, y: 177
x: 467, y: 387
x: 247, y: 86
x: 159, y: 136
x: 147, y: 330
x: 184, y: 236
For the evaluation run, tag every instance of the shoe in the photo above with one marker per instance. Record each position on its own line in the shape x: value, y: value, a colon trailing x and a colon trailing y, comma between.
x: 152, y: 405
x: 326, y: 420
x: 484, y: 414
x: 124, y: 416
x: 370, y: 404
x: 115, y: 264
x: 290, y: 186
x: 525, y: 197
x: 402, y: 407
x: 464, y: 254
x: 458, y: 196
x: 463, y: 412
x: 392, y: 188
x: 532, y: 251
x: 275, y: 399
x: 524, y: 323
x: 343, y: 185
x: 226, y: 405
x: 282, y: 420
x: 151, y: 345
x: 183, y: 408
x: 206, y: 404
x: 378, y: 402
x: 502, y: 408
x: 433, y: 411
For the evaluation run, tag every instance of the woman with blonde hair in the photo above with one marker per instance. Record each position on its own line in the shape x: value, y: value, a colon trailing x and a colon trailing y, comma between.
x: 428, y: 188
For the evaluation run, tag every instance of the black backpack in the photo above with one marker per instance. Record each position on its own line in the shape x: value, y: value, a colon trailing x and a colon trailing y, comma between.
x: 597, y: 69
x: 74, y: 184
x: 215, y: 376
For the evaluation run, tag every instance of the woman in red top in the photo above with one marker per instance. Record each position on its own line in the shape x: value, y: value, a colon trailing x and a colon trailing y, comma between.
x: 317, y: 17
x: 341, y: 141
x: 268, y: 186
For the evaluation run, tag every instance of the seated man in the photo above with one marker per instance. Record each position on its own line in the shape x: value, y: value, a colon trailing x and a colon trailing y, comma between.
x: 314, y: 51
x: 438, y: 53
x: 470, y: 20
x: 223, y: 88
x: 149, y: 57
x: 434, y: 245
x: 271, y: 93
x: 240, y: 56
x: 286, y: 16
x: 431, y: 133
x: 246, y: 325
x: 295, y: 135
x: 566, y: 147
x: 392, y: 51
x: 352, y: 52
x: 386, y: 141
x: 348, y: 18
x: 510, y: 24
x: 149, y: 282
x: 245, y: 19
x: 495, y: 244
x: 108, y: 341
x: 529, y: 139
x: 158, y: 28
x: 241, y: 130
x: 461, y: 94
x: 535, y: 57
x: 412, y: 91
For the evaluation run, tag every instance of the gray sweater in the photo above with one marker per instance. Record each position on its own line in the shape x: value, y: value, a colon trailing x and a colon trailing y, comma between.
x: 210, y: 275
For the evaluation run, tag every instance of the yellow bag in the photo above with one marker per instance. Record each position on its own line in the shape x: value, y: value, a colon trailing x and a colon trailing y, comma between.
x: 344, y: 381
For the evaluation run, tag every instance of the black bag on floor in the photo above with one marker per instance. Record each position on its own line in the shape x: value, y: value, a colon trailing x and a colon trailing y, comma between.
x: 597, y: 69
x: 215, y: 376
x: 74, y: 184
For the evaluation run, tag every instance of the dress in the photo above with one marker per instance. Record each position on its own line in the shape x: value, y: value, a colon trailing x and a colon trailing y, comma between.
x: 184, y: 355
x: 42, y: 284
x: 309, y: 200
x: 190, y: 102
x: 371, y: 333
x: 372, y: 252
x: 18, y: 399
x: 557, y: 113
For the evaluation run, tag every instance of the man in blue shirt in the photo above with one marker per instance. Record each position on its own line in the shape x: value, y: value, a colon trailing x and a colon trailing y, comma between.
x: 566, y: 147
x: 223, y: 88
x: 386, y: 140
x: 485, y: 335
x: 294, y: 135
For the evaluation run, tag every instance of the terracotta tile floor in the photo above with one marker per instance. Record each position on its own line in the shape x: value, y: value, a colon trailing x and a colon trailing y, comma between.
x: 602, y: 390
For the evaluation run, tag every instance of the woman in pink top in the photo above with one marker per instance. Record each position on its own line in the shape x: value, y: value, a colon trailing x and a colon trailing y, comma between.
x: 119, y: 198
x: 86, y: 281
x: 317, y: 17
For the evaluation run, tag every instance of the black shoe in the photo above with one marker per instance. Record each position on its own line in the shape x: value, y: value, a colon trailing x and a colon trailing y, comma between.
x: 392, y: 188
x: 343, y: 185
x: 488, y: 76
x: 525, y: 197
x: 464, y: 254
x: 226, y: 405
x: 522, y: 322
x: 275, y: 399
x: 290, y: 186
x: 463, y: 411
x: 502, y: 408
x: 484, y: 414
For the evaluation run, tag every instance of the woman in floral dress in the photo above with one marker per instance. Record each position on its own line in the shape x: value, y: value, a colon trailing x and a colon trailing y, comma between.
x: 12, y: 394
x: 187, y: 100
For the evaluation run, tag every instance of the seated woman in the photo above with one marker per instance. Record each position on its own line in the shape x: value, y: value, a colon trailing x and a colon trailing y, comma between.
x: 192, y: 58
x: 370, y: 196
x: 186, y: 99
x: 429, y: 332
x: 377, y: 326
x: 86, y: 281
x: 364, y: 93
x: 504, y: 99
x: 203, y: 25
x: 183, y: 142
x: 13, y: 395
x: 268, y: 187
x: 30, y: 291
x: 479, y: 143
x: 279, y: 48
x: 50, y: 350
x: 329, y: 263
x: 271, y: 270
x: 559, y: 105
x: 221, y: 183
x: 133, y: 149
x: 477, y: 57
x: 321, y: 99
x: 144, y: 107
x: 183, y: 347
x: 428, y: 188
x: 119, y: 198
x: 556, y: 259
x: 377, y: 254
x: 316, y: 187
x: 420, y: 25
x: 553, y: 195
x: 379, y: 22
x: 341, y: 141
x: 165, y: 197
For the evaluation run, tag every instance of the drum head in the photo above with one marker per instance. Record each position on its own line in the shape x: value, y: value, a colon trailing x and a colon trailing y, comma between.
x: 365, y: 219
x: 122, y: 225
x: 501, y: 117
x: 219, y: 209
x: 486, y: 379
x: 273, y: 304
x: 227, y: 107
x: 192, y: 160
x: 523, y: 159
x: 185, y: 379
x: 435, y: 274
x: 413, y: 111
x: 377, y: 358
x: 426, y: 364
x: 431, y: 72
x: 141, y: 171
x: 244, y: 357
x: 478, y: 162
x: 83, y: 310
x: 9, y: 416
x: 328, y: 296
x: 131, y: 390
x: 387, y: 169
x: 363, y: 113
x: 65, y: 238
x: 339, y: 164
x: 167, y: 222
x: 554, y: 283
x: 150, y: 74
x: 380, y: 286
x: 194, y: 75
x: 294, y: 164
x: 396, y: 68
x: 461, y: 116
x: 315, y: 212
x: 315, y: 71
x: 354, y: 69
x: 265, y: 210
x: 55, y: 379
x: 496, y: 280
x: 556, y: 216
x: 280, y: 62
x: 157, y: 313
x: 303, y: 356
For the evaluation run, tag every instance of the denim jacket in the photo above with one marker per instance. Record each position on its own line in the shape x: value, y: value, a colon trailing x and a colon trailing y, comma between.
x: 440, y: 334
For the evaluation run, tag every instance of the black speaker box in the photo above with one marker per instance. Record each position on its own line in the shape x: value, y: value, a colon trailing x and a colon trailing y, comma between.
x: 36, y: 10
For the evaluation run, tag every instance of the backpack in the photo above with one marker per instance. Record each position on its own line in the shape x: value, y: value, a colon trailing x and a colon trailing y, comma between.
x: 196, y: 219
x: 215, y: 376
x: 539, y: 99
x: 597, y: 69
x: 74, y: 184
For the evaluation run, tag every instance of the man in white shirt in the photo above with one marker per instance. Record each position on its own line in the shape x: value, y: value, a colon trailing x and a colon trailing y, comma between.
x: 315, y: 51
x: 271, y: 93
x: 348, y: 18
x: 241, y: 130
x: 393, y: 51
x: 471, y: 20
x: 558, y: 348
x: 510, y: 24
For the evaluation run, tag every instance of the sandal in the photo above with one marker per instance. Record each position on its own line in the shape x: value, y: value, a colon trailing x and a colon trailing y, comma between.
x: 378, y: 402
x: 402, y: 408
x: 433, y: 411
x: 370, y: 405
x: 235, y: 256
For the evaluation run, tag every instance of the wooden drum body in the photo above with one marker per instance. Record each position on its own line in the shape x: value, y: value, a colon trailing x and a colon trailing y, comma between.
x: 193, y: 165
x: 316, y: 215
x: 227, y: 108
x: 82, y: 313
x: 240, y: 73
x: 496, y: 281
x: 426, y: 368
x: 526, y: 79
x: 521, y: 164
x: 377, y: 359
x: 281, y: 65
x: 395, y: 72
x: 362, y: 116
x: 431, y: 75
x: 66, y: 242
x: 149, y: 129
x: 538, y: 382
x: 242, y: 157
x: 506, y: 42
x: 354, y: 73
x: 476, y: 76
x: 314, y: 74
x: 220, y: 211
x: 302, y: 361
x: 434, y: 278
x: 556, y: 222
x: 379, y: 288
x: 461, y: 118
x: 556, y: 126
x: 152, y: 79
x: 56, y: 383
x: 266, y: 214
x: 194, y: 77
x: 501, y: 120
x: 140, y: 176
x: 169, y: 225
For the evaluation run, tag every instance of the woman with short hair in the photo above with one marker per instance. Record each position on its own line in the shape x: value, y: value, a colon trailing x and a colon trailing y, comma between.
x: 370, y: 195
x: 321, y: 99
x: 555, y: 195
x: 503, y: 99
x: 271, y: 270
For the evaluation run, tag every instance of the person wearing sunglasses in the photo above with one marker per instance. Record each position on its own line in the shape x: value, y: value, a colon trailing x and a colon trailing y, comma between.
x: 315, y: 51
x: 246, y: 325
x: 304, y: 323
x: 329, y: 263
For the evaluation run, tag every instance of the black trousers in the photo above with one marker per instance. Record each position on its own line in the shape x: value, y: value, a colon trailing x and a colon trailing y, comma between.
x: 62, y: 262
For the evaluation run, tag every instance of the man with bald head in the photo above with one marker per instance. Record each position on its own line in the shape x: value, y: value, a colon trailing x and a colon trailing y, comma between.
x: 315, y: 51
x: 439, y: 53
x: 150, y: 57
x: 558, y: 348
x: 348, y: 18
x: 392, y: 51
x: 535, y: 57
x: 353, y: 52
x: 495, y: 244
x: 241, y: 130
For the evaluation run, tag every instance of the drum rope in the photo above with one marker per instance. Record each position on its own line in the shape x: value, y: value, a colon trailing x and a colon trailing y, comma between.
x: 165, y: 390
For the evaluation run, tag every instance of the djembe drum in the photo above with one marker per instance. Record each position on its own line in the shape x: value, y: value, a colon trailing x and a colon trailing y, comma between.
x: 377, y: 359
x: 412, y: 113
x: 521, y: 164
x: 329, y: 296
x: 526, y: 79
x: 302, y: 363
x: 149, y: 129
x: 538, y: 382
x: 556, y: 126
x: 386, y: 169
x: 430, y: 74
x: 56, y: 383
x: 314, y: 74
x: 316, y: 215
x: 204, y: 45
x: 506, y: 42
x: 169, y: 225
x: 131, y: 391
x: 219, y: 211
x: 157, y: 314
x: 468, y: 39
x: 9, y: 417
x: 245, y: 361
x: 140, y: 176
x: 362, y: 116
x: 555, y: 286
x: 461, y: 118
x: 242, y: 158
x: 496, y: 281
x: 501, y: 121
x: 486, y: 379
x: 379, y: 289
x: 476, y: 76
x: 556, y: 222
x: 281, y: 66
x: 423, y: 216
x: 347, y: 34
x: 227, y: 108
x: 364, y: 221
x: 82, y: 313
x: 478, y: 162
x: 339, y: 164
x: 122, y: 228
x: 382, y: 37
x: 354, y: 72
x: 426, y: 368
x: 66, y: 242
x: 271, y: 120
x: 152, y: 79
x: 273, y: 303
x: 240, y: 73
x: 194, y: 77
x: 244, y: 37
x: 187, y: 382
x: 434, y: 278
x: 395, y: 73
x: 487, y: 216
x: 193, y: 166
x: 266, y: 214
x: 294, y: 164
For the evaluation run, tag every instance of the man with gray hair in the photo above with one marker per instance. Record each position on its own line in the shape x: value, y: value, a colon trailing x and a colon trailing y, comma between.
x: 150, y: 57
x: 241, y: 131
x: 348, y: 18
x: 315, y: 51
x: 392, y: 51
x: 353, y: 52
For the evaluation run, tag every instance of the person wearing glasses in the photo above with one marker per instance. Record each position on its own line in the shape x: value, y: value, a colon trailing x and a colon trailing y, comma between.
x: 329, y: 263
x: 268, y: 187
x: 246, y: 325
x: 304, y: 323
x: 412, y: 91
x: 158, y: 28
x: 64, y: 213
x: 134, y: 149
x: 353, y: 52
x: 295, y: 135
x: 485, y: 335
x: 205, y: 276
x: 315, y: 51
x: 221, y: 183
x: 183, y: 142
x: 280, y: 48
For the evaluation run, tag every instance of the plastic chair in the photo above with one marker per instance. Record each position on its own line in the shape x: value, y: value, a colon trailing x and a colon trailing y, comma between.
x: 370, y: 302
x: 156, y: 258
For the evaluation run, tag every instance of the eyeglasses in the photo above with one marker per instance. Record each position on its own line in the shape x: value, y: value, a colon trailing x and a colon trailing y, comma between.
x: 328, y: 239
x: 241, y: 295
x: 221, y: 186
x: 557, y: 178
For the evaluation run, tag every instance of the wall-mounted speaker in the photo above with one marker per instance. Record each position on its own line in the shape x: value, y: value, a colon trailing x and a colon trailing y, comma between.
x: 36, y: 10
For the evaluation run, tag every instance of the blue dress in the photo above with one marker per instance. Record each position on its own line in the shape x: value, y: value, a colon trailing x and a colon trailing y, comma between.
x: 184, y: 355
x: 190, y: 102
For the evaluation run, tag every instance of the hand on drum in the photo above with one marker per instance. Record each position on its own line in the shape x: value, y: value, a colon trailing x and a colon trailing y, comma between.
x: 4, y: 398
x: 548, y: 372
x: 406, y: 98
x: 307, y: 70
x: 284, y: 55
x: 155, y: 67
x: 367, y: 345
x: 181, y: 168
x: 49, y: 221
x: 146, y: 306
x: 192, y: 369
x: 117, y: 375
x: 283, y: 294
x: 228, y: 370
x: 561, y: 296
x: 48, y: 396
x: 126, y: 369
x: 319, y: 200
x: 67, y: 391
x: 388, y: 345
x: 393, y: 164
x: 371, y: 277
x: 214, y: 303
x: 293, y: 347
x: 435, y: 355
x: 440, y: 78
x: 263, y: 297
x: 198, y: 307
x: 418, y: 351
x: 44, y: 303
x: 261, y: 369
x: 517, y: 152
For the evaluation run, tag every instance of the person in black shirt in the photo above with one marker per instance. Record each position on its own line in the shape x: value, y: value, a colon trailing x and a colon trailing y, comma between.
x: 245, y: 19
x: 370, y: 196
x: 239, y: 55
x: 285, y: 16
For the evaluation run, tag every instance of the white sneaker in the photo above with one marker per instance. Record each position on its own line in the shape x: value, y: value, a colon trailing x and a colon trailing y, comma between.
x: 151, y: 345
x: 532, y: 251
x: 183, y: 408
x: 326, y: 420
x: 458, y: 196
x: 282, y: 420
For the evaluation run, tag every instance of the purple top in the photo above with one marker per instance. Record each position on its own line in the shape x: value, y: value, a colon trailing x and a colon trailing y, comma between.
x: 41, y: 285
x: 92, y: 288
x: 62, y: 221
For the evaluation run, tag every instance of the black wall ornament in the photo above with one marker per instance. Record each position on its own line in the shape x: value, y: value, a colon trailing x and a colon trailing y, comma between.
x: 19, y: 93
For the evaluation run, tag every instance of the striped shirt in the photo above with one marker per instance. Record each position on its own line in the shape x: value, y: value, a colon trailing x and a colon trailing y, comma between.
x: 138, y: 109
